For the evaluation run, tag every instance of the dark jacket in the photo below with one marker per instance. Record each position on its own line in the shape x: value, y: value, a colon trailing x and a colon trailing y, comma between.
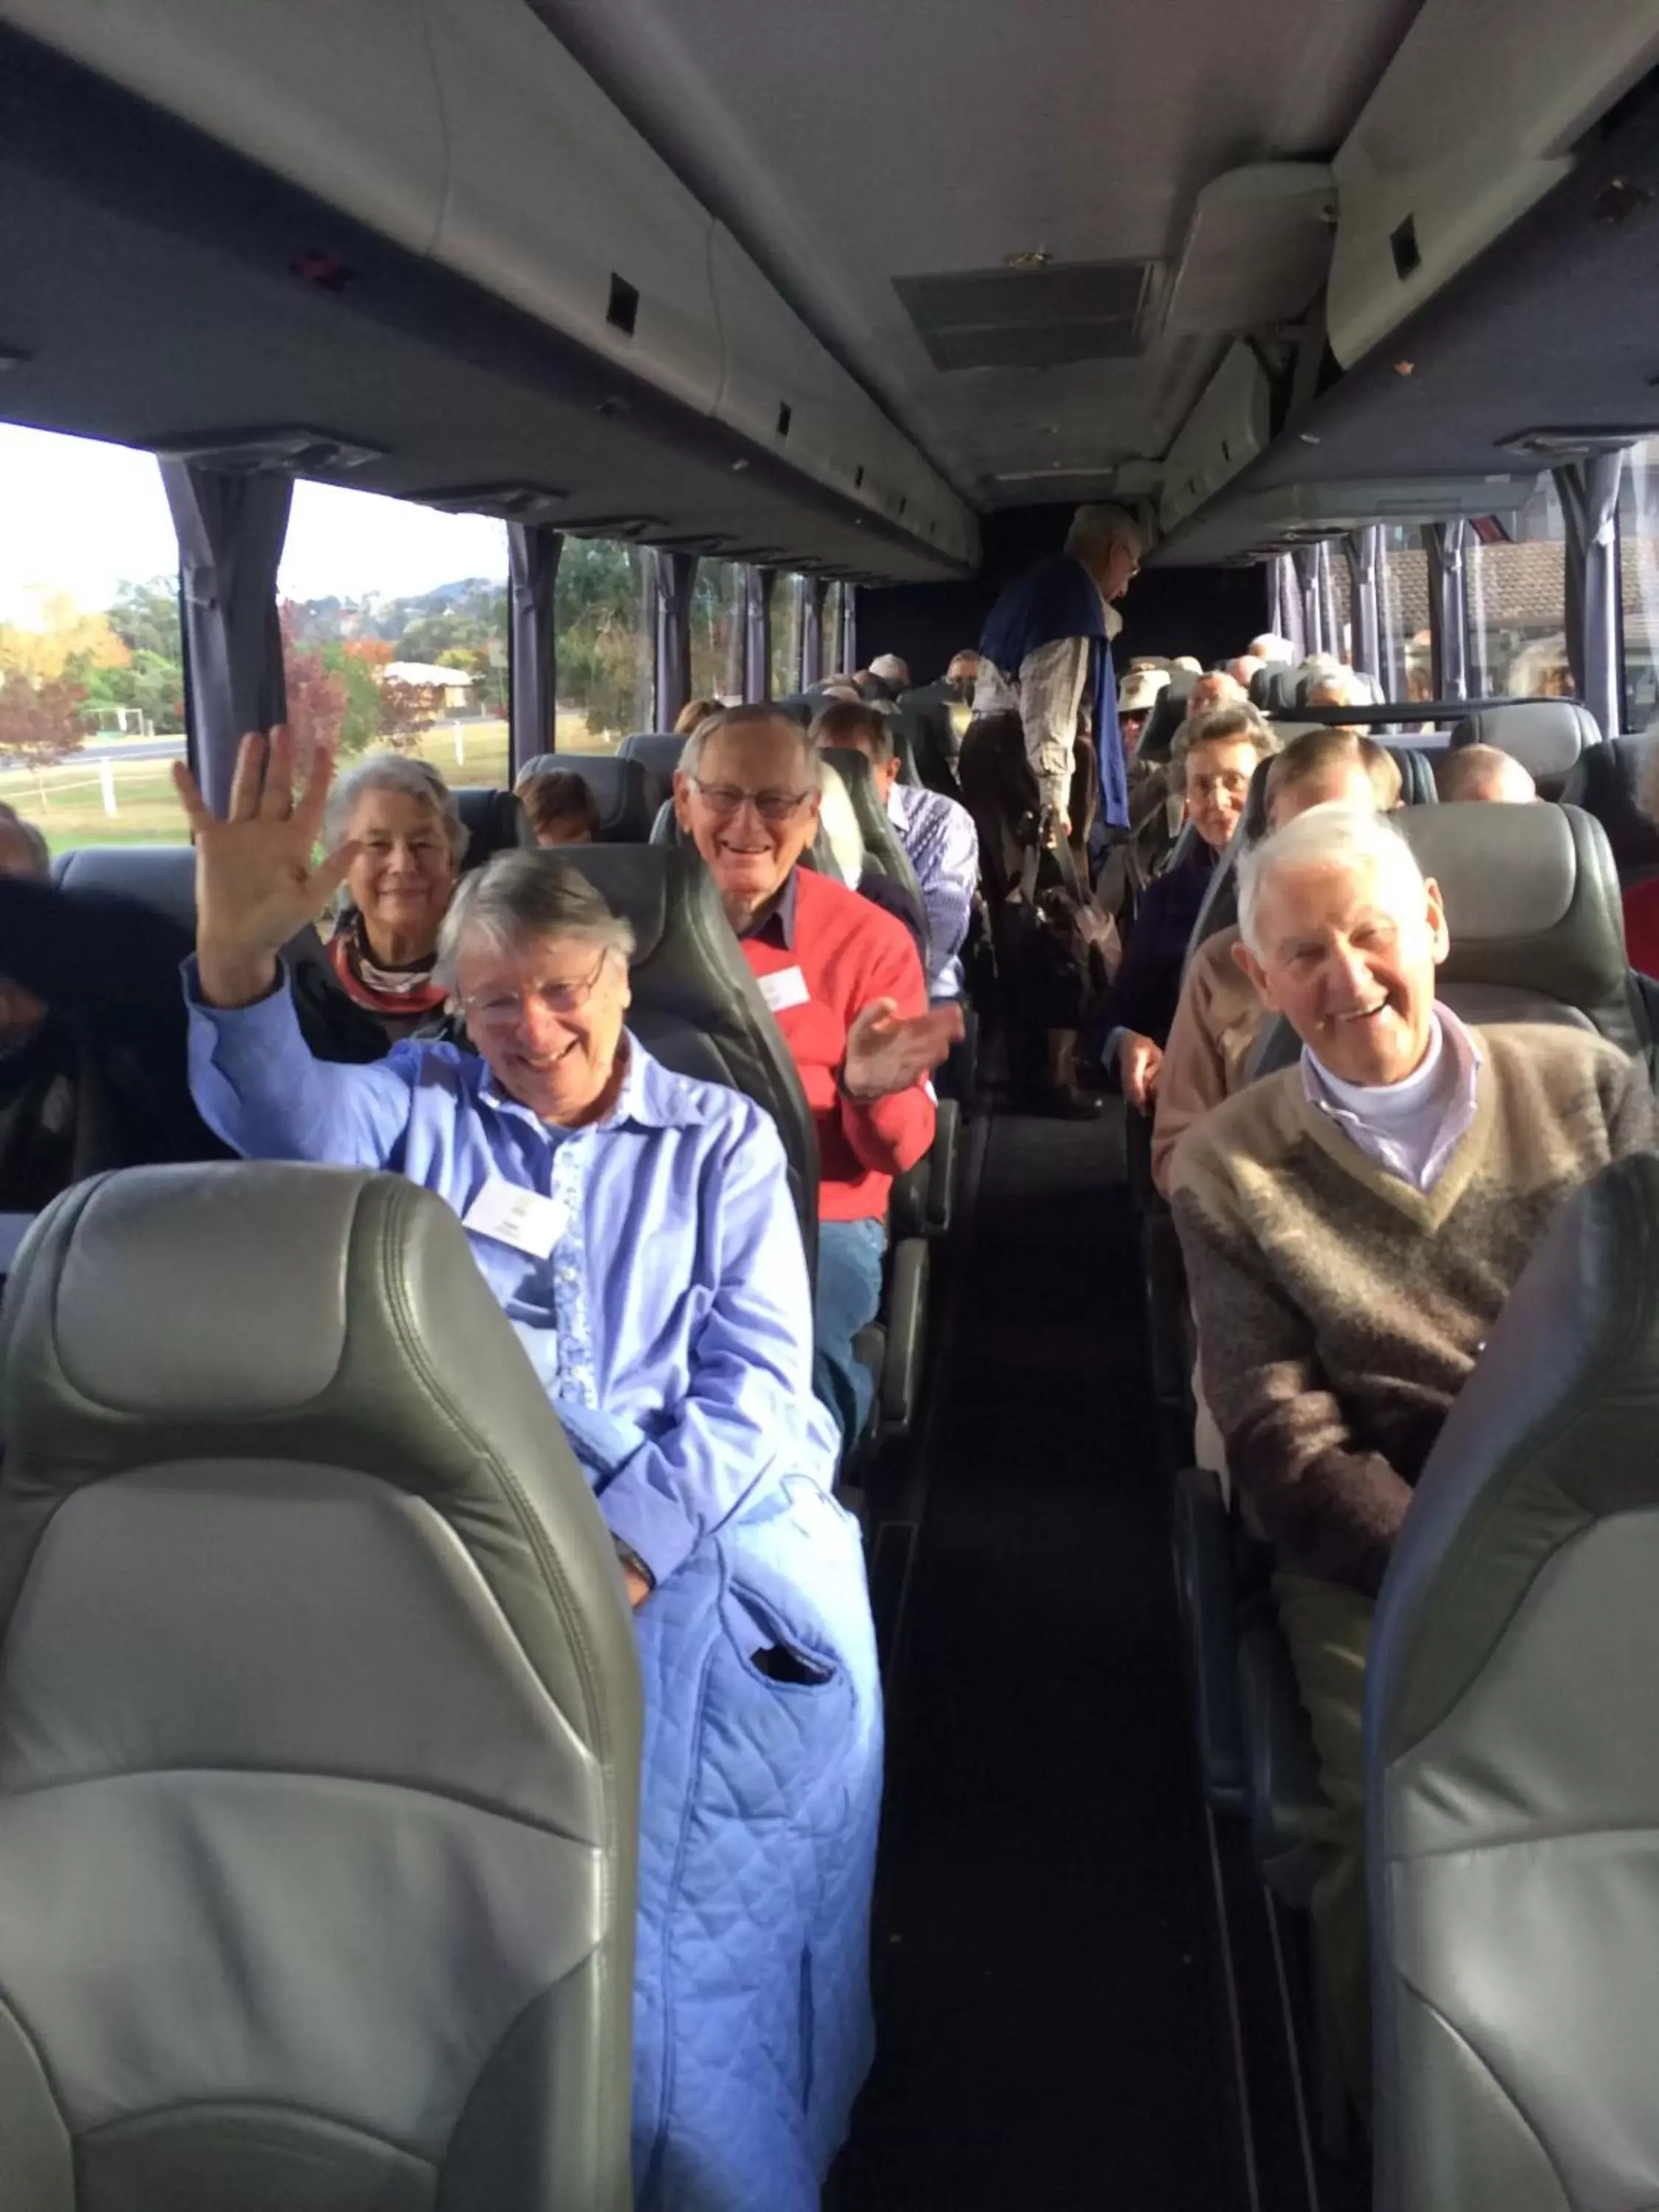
x: 1148, y: 987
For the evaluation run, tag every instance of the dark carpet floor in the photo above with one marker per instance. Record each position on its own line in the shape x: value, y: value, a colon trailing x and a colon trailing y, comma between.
x: 1050, y: 2029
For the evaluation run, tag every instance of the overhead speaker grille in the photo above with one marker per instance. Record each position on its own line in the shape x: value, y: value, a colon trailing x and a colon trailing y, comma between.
x: 1030, y: 317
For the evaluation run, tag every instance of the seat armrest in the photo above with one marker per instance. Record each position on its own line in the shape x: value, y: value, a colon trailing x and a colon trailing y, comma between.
x: 906, y: 1315
x: 1287, y: 1805
x: 906, y: 1202
x: 1204, y: 1581
x: 941, y: 1164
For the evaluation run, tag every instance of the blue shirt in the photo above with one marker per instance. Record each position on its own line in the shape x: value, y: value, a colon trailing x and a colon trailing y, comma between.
x: 939, y: 836
x: 676, y: 1301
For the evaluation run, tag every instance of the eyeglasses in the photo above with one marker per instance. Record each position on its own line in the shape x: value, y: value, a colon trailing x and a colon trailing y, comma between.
x: 502, y: 1008
x: 724, y: 799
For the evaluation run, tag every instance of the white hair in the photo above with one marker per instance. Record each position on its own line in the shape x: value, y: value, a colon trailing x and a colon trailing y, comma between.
x: 1341, y: 687
x: 522, y: 896
x: 891, y: 669
x: 690, y: 758
x: 396, y: 772
x: 1271, y: 647
x: 1096, y: 529
x: 841, y: 824
x: 1329, y: 836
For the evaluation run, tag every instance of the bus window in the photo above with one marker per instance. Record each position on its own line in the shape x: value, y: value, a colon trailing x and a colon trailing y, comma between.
x: 1515, y: 595
x: 717, y: 631
x: 394, y: 630
x: 606, y: 645
x: 1402, y: 610
x: 92, y: 691
x: 1638, y: 582
x: 786, y: 637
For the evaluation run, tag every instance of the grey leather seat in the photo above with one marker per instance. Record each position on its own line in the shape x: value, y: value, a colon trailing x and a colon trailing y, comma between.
x: 1611, y: 781
x: 1512, y: 1752
x: 882, y: 849
x: 1533, y: 911
x: 657, y: 752
x: 1546, y: 736
x: 161, y: 876
x: 1169, y: 712
x: 618, y: 783
x: 319, y: 1720
x: 695, y: 1002
x: 494, y: 823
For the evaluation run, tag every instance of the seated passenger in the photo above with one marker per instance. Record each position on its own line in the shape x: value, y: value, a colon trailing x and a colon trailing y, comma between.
x: 892, y: 673
x: 91, y: 1032
x: 1339, y: 687
x: 936, y: 833
x: 1243, y: 669
x: 1188, y: 663
x: 847, y: 988
x: 1215, y: 754
x: 1220, y: 1014
x: 560, y: 805
x: 963, y: 676
x: 400, y: 822
x: 637, y: 1228
x: 1136, y: 697
x: 1352, y: 1228
x: 694, y: 711
x: 1215, y: 688
x: 1483, y: 771
x: 1272, y: 650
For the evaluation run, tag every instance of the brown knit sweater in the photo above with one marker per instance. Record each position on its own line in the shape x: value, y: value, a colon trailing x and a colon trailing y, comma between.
x: 1339, y: 1310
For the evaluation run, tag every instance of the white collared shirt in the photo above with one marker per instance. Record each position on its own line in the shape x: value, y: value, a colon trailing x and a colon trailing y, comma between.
x: 1412, y: 1128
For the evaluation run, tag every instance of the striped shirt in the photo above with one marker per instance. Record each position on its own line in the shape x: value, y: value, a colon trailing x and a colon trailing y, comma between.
x: 938, y: 834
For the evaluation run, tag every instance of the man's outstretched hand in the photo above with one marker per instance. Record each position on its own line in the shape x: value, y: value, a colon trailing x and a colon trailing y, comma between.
x: 886, y: 1053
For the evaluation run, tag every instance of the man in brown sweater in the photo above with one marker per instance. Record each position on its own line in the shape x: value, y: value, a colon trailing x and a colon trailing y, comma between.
x: 1351, y: 1230
x: 1220, y: 1015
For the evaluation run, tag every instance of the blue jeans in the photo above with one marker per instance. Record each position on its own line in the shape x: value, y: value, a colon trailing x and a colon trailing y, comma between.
x: 849, y: 1294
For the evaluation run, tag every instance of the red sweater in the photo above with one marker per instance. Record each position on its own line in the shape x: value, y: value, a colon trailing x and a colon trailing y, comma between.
x: 1642, y: 926
x: 846, y: 952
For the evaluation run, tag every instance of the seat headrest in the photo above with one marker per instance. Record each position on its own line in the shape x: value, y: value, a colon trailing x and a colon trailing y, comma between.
x: 1169, y: 712
x: 618, y: 783
x: 1546, y: 736
x: 657, y: 752
x: 161, y: 876
x: 493, y: 821
x: 1612, y: 781
x: 1551, y: 1432
x: 335, y: 1313
x: 1532, y: 904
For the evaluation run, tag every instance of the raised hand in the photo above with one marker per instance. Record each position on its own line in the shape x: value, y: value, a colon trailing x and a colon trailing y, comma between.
x: 885, y: 1054
x: 255, y: 881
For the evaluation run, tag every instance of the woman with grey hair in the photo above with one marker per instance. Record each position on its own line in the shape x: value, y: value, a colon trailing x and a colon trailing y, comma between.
x: 638, y: 1230
x: 400, y: 822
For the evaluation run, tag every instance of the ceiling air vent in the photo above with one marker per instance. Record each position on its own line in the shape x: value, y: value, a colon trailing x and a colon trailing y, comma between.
x: 1030, y: 317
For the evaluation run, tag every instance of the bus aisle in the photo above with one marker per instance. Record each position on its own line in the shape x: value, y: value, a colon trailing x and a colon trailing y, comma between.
x: 1051, y: 2027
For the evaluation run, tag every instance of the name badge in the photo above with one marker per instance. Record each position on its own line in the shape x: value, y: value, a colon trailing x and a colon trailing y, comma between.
x: 787, y: 987
x: 523, y: 1218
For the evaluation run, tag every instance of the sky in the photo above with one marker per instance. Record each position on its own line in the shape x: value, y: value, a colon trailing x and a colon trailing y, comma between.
x: 79, y: 517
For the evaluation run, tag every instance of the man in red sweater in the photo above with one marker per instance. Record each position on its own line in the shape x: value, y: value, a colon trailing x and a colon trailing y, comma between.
x: 845, y: 988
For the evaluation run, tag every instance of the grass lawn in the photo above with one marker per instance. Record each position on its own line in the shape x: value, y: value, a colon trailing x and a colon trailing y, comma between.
x: 68, y: 801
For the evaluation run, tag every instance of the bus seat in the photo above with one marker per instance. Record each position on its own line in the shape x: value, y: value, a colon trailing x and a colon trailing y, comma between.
x: 800, y: 707
x: 657, y: 752
x: 618, y: 783
x: 321, y: 1717
x: 696, y: 1004
x: 1169, y: 712
x: 881, y: 844
x: 924, y: 739
x: 1273, y: 689
x: 1610, y: 780
x: 1546, y: 736
x: 1417, y: 785
x: 1512, y: 1751
x: 160, y: 876
x: 493, y: 821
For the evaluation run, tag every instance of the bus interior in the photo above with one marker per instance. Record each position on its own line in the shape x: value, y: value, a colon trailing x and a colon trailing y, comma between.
x: 817, y: 324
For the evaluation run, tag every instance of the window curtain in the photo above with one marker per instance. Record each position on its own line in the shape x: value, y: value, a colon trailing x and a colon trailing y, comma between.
x: 672, y: 576
x: 757, y: 631
x: 1589, y: 492
x: 1444, y: 543
x: 532, y: 557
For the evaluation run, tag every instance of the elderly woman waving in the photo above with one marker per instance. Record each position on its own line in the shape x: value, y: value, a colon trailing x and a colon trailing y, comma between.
x: 637, y: 1230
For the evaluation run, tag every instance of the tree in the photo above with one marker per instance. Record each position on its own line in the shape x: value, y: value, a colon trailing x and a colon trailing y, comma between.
x: 605, y: 652
x: 316, y: 693
x: 60, y: 642
x: 406, y: 709
x: 39, y: 722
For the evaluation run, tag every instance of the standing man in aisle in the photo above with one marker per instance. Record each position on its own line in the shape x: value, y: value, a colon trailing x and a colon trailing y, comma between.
x: 1043, y: 745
